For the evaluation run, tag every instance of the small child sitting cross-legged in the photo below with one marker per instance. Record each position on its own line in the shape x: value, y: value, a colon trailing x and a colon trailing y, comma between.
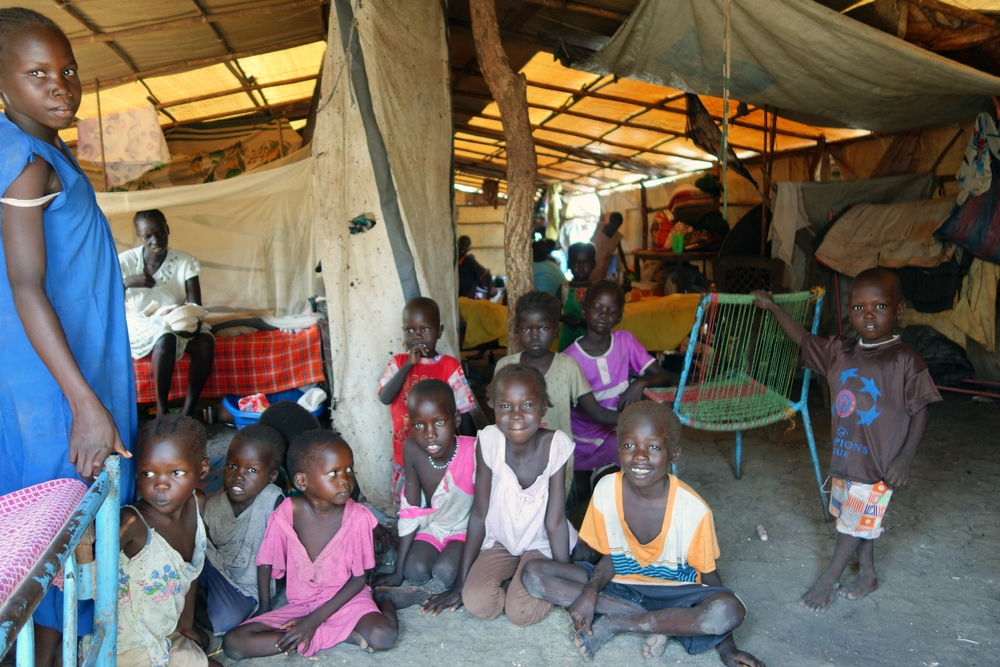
x: 658, y: 573
x: 236, y: 521
x: 881, y: 391
x: 163, y: 547
x: 321, y: 542
x: 537, y: 316
x: 518, y: 513
x: 434, y: 509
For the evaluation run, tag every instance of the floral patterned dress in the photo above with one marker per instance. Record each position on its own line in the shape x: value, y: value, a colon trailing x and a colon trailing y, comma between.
x: 151, y: 590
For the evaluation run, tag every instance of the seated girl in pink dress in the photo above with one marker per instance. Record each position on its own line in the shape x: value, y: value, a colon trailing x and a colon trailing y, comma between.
x: 609, y: 360
x: 322, y: 543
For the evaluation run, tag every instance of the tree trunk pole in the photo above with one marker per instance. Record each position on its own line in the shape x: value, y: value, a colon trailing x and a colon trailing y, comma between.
x: 510, y: 92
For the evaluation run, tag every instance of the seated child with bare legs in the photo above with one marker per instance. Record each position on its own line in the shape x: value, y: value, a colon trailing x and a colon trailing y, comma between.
x: 163, y: 548
x: 518, y: 513
x: 658, y: 573
x: 881, y: 391
x: 441, y: 467
x: 421, y: 330
x: 321, y: 542
x: 610, y: 360
x: 236, y: 521
x: 537, y: 316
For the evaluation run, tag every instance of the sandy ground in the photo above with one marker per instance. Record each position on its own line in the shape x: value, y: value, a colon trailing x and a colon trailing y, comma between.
x: 938, y: 563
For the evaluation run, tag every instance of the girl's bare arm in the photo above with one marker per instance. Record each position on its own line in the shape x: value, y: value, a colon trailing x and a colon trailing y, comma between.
x: 94, y: 435
x: 556, y: 525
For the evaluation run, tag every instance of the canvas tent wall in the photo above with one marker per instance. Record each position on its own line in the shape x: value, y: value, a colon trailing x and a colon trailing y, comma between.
x: 382, y: 147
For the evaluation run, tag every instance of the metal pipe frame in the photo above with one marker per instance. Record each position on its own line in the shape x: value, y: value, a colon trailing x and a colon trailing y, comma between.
x: 801, y: 406
x: 100, y: 505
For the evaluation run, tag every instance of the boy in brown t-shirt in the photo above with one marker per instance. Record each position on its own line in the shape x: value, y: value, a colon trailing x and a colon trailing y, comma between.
x: 881, y: 390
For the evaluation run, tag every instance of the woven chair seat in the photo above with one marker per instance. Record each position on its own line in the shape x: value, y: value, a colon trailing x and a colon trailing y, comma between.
x: 30, y: 519
x: 731, y: 404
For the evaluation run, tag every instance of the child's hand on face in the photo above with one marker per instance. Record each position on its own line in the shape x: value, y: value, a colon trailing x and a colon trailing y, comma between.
x: 298, y: 631
x: 763, y: 299
x: 416, y: 354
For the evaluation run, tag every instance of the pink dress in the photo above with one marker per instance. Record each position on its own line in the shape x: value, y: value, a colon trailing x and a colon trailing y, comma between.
x: 311, y: 584
x: 608, y: 374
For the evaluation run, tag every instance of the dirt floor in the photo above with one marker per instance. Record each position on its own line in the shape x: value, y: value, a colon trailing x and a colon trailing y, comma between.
x: 939, y: 599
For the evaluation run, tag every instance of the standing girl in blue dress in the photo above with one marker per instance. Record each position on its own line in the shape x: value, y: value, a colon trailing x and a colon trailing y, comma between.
x: 67, y: 398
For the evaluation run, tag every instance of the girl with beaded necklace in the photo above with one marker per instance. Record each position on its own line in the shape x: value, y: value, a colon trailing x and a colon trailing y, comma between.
x: 437, y: 498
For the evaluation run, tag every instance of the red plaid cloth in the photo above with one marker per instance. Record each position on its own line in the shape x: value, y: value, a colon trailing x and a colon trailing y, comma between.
x: 264, y: 362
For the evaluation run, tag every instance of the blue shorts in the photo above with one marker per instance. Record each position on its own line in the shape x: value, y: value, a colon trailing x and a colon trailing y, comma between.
x: 655, y: 598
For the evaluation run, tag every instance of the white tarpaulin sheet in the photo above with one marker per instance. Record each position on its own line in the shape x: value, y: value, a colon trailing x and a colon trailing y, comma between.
x: 811, y: 63
x: 382, y: 147
x: 253, y: 234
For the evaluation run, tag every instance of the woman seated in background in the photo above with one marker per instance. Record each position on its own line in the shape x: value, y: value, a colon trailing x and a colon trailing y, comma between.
x: 157, y: 281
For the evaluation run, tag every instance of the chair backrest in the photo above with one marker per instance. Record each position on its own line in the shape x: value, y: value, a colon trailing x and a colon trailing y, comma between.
x: 742, y: 274
x: 740, y: 363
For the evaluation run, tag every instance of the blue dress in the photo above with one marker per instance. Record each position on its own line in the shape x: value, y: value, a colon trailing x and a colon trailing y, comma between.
x: 83, y: 283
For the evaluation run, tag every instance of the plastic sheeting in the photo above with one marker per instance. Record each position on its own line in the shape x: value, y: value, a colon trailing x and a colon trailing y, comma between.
x: 253, y: 235
x: 382, y: 146
x: 811, y: 63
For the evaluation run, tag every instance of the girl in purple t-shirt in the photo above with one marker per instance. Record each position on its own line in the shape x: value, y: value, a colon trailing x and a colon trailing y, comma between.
x: 610, y: 360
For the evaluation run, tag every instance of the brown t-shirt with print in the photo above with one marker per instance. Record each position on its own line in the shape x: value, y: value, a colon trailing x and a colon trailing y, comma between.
x: 874, y: 393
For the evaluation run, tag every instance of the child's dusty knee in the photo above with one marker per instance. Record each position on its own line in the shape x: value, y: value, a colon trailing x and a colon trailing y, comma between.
x: 231, y: 646
x: 444, y: 573
x: 532, y: 577
x: 416, y: 572
x: 482, y: 602
x: 722, y: 615
x: 383, y: 637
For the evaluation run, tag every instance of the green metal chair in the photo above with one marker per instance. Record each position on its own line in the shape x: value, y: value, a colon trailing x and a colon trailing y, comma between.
x: 739, y: 368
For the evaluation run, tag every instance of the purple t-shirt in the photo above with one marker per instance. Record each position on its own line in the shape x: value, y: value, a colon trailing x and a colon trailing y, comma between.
x: 609, y: 376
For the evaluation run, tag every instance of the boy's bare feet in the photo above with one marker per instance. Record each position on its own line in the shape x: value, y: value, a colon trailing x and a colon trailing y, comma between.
x: 821, y: 595
x: 654, y: 647
x: 589, y: 644
x: 402, y: 596
x: 862, y: 585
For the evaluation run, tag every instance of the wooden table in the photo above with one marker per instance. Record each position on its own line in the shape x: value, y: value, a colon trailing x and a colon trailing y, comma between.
x: 670, y: 256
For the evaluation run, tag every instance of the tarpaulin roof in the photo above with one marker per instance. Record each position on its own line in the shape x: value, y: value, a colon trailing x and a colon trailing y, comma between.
x: 201, y: 60
x: 809, y: 62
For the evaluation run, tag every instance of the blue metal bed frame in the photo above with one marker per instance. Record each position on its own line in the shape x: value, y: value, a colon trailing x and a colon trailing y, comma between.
x: 99, y: 506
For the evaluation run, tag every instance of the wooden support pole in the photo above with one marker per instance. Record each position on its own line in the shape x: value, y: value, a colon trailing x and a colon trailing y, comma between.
x: 510, y: 92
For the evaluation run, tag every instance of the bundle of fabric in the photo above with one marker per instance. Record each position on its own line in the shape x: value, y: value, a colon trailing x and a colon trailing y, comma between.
x: 890, y: 235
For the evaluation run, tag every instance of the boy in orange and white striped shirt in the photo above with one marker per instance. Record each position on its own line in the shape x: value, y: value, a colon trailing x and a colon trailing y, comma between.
x: 657, y: 572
